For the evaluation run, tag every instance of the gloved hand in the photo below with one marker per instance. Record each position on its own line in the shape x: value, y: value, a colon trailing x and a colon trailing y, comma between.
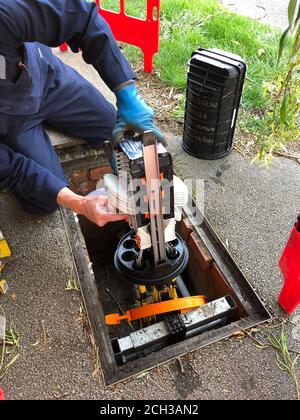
x: 133, y: 115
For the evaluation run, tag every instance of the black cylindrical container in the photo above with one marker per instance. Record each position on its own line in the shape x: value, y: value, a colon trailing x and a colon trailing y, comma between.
x: 214, y: 90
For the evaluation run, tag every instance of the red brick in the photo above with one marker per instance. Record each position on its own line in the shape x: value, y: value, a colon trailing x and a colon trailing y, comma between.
x: 202, y: 254
x: 97, y: 173
x: 198, y: 278
x: 86, y: 187
x: 73, y: 187
x: 185, y: 229
x: 222, y: 288
x: 79, y: 176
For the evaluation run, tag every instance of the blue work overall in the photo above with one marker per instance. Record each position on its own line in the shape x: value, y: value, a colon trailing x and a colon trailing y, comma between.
x: 40, y: 88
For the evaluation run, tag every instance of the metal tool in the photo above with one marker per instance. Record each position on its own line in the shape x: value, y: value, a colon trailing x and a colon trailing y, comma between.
x: 176, y: 328
x: 152, y: 256
x: 152, y: 172
x: 145, y: 187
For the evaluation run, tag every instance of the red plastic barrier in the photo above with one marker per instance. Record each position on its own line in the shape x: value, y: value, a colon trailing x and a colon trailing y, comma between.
x: 289, y: 263
x: 134, y: 31
x: 64, y: 47
x: 2, y: 397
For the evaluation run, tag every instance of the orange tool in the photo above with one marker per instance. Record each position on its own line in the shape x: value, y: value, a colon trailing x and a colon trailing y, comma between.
x: 183, y: 305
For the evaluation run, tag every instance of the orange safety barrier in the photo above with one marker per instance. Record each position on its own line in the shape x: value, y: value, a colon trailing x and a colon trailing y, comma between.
x: 135, y: 31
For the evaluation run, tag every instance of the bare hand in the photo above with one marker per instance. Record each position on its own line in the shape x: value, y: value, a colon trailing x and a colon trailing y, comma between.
x: 98, y: 210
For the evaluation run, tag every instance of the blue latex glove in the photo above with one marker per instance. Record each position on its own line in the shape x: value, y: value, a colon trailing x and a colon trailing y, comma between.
x: 133, y: 115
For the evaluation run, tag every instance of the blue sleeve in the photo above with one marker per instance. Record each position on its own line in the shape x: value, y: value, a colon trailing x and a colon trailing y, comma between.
x: 53, y: 22
x: 29, y: 180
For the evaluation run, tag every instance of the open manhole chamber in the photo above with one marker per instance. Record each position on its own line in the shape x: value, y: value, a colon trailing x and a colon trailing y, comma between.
x: 211, y: 271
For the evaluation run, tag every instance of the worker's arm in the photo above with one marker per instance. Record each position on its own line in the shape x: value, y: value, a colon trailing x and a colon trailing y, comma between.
x: 77, y: 22
x: 42, y: 189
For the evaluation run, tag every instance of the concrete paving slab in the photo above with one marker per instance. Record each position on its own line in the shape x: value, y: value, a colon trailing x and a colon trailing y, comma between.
x: 54, y: 352
x: 233, y: 370
x: 272, y: 12
x: 253, y: 209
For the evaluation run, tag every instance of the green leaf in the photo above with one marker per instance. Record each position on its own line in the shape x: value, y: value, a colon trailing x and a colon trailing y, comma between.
x: 282, y: 42
x: 298, y: 14
x: 295, y: 362
x: 71, y: 285
x: 283, y: 112
x: 291, y: 10
x: 12, y: 362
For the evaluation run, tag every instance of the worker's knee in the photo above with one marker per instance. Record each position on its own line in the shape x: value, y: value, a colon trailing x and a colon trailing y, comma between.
x: 40, y: 211
x: 45, y: 211
x: 37, y: 210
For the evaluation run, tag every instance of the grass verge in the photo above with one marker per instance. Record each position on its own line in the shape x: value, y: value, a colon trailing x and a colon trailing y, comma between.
x: 189, y: 24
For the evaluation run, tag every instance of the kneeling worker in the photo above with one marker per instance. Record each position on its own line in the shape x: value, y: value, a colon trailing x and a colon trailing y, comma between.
x: 37, y: 87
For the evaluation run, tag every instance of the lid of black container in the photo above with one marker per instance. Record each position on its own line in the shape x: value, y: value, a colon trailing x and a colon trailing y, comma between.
x: 213, y: 65
x: 222, y: 53
x: 225, y: 57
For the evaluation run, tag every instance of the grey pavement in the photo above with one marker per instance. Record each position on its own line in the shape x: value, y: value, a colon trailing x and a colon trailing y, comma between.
x: 272, y: 12
x: 252, y: 209
x: 54, y: 354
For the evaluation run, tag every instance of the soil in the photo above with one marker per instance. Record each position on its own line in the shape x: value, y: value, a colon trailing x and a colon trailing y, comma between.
x: 163, y: 99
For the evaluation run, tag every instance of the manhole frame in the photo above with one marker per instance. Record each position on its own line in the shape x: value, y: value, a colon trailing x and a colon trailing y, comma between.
x: 257, y: 312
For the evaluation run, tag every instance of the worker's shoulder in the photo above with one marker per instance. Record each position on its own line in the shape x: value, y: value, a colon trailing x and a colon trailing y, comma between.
x: 70, y: 5
x: 10, y: 5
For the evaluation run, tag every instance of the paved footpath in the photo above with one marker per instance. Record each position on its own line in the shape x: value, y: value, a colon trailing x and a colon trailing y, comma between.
x: 272, y: 12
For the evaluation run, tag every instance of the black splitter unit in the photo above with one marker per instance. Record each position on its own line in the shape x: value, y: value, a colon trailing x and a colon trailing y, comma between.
x: 214, y: 89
